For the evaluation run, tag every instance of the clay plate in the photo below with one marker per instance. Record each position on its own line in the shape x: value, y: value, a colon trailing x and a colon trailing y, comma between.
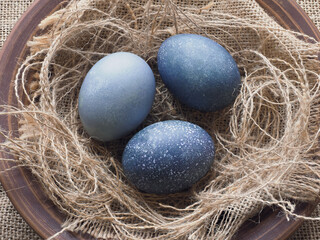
x: 25, y: 192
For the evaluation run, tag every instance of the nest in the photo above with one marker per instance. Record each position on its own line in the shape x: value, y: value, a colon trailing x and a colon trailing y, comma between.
x: 267, y: 142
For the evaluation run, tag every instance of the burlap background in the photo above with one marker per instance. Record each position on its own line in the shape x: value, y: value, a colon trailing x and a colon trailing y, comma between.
x: 12, y: 226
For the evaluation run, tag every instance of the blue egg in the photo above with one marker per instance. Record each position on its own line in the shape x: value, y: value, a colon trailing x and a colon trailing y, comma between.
x: 116, y: 96
x: 199, y: 72
x: 168, y: 157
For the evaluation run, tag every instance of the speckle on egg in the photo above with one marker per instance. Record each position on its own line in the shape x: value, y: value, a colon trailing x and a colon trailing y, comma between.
x: 168, y: 157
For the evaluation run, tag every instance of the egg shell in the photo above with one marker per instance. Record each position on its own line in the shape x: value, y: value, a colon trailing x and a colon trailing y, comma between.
x: 168, y: 157
x: 199, y: 72
x: 116, y: 96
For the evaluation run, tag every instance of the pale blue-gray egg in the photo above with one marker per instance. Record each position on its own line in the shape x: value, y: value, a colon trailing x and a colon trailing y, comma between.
x: 198, y: 71
x: 116, y: 96
x: 168, y: 157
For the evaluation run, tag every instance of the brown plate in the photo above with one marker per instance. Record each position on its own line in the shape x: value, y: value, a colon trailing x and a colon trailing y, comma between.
x: 25, y: 192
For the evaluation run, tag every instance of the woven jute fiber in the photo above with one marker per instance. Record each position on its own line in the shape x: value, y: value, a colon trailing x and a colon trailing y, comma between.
x: 13, y: 227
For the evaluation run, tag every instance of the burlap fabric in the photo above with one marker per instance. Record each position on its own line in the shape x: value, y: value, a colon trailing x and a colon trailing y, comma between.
x: 11, y: 225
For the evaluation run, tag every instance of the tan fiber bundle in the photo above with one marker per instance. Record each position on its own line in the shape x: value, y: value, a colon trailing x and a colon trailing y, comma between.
x: 267, y: 142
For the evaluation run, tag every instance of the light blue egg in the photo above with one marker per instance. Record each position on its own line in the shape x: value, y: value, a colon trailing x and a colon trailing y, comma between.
x: 116, y: 96
x: 168, y: 157
x: 199, y: 72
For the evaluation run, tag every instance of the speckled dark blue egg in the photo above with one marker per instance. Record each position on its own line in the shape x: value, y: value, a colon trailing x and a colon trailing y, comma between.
x: 168, y: 157
x: 199, y: 72
x: 116, y: 96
